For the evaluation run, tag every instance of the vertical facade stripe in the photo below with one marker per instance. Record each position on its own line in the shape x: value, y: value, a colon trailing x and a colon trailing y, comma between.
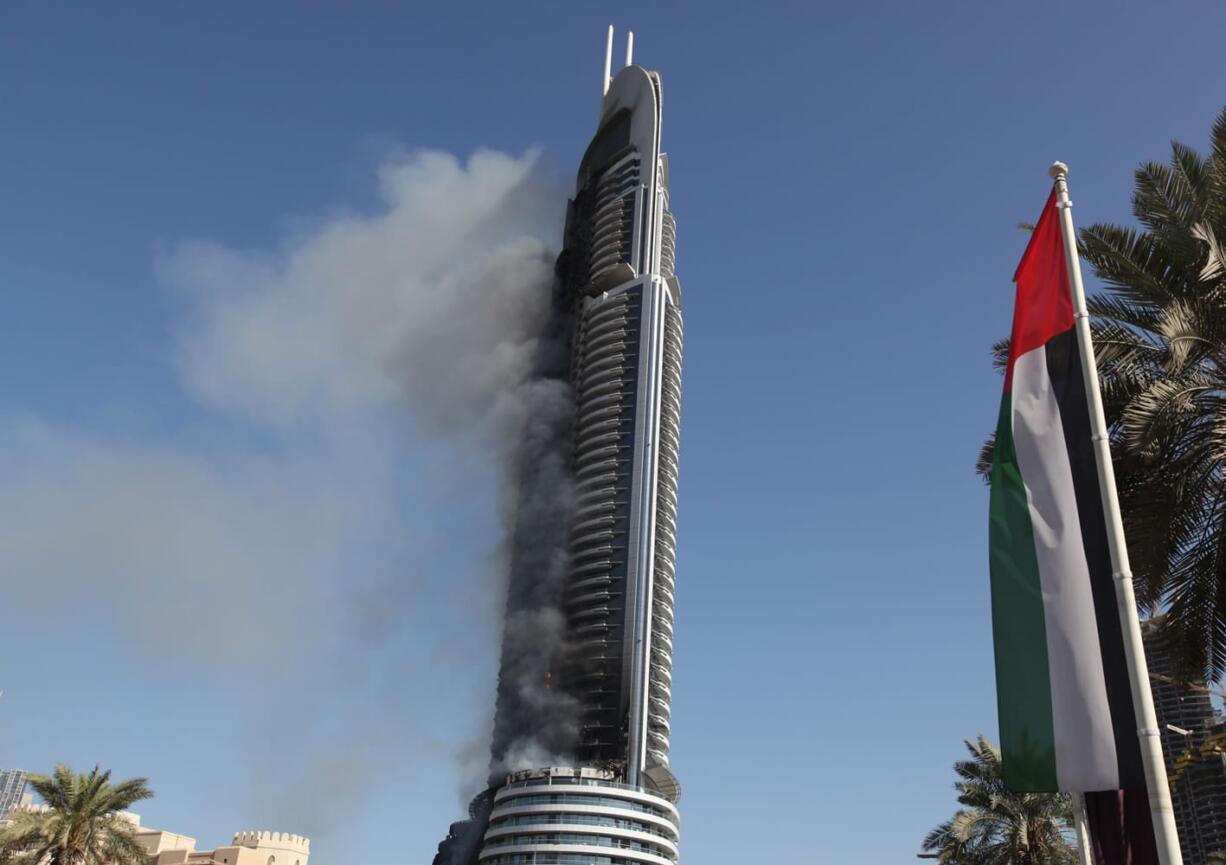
x: 1023, y: 688
x: 1068, y: 383
x: 1084, y: 740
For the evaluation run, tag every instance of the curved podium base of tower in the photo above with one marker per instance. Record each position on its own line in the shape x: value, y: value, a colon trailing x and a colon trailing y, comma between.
x: 566, y: 815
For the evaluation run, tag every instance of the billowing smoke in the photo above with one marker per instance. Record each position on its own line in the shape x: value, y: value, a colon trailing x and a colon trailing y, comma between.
x: 449, y: 300
x: 536, y: 722
x: 357, y: 397
x: 438, y: 306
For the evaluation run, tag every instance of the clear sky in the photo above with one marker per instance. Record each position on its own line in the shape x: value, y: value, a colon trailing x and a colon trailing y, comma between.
x: 231, y: 562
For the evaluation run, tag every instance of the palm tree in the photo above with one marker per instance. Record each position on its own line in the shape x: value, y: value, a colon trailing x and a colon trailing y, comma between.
x: 998, y: 826
x: 80, y: 824
x: 1160, y: 333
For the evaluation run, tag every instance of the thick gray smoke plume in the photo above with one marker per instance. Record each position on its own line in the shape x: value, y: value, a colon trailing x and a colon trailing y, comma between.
x: 355, y: 395
x: 536, y: 723
x: 443, y: 299
x: 449, y: 298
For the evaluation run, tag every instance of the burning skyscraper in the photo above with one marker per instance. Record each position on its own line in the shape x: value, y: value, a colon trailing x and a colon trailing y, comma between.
x: 580, y: 769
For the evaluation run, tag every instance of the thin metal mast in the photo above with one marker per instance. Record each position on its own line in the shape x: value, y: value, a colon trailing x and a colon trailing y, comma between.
x: 1084, y: 854
x: 608, y: 65
x: 1160, y: 808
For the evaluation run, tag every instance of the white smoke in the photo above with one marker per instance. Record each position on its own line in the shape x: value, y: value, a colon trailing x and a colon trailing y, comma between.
x: 358, y: 390
x: 438, y: 301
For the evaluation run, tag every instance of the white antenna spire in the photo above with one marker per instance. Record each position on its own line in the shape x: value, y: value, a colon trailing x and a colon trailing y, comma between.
x: 629, y: 47
x: 608, y: 64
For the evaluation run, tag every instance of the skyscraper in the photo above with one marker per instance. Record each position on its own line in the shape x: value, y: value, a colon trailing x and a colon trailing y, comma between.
x: 12, y: 788
x: 593, y: 708
x: 1192, y: 733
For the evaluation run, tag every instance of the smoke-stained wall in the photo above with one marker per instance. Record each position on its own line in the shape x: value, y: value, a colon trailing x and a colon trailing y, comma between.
x: 535, y: 721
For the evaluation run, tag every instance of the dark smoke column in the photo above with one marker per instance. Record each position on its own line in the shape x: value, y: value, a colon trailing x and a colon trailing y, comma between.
x: 596, y: 701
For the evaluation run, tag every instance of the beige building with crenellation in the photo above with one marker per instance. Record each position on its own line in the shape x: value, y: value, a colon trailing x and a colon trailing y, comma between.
x: 247, y: 848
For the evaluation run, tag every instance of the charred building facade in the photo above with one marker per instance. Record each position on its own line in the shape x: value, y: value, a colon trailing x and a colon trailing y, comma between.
x: 608, y: 794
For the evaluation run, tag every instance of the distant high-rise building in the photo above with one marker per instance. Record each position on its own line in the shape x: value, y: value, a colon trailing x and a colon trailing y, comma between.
x: 12, y: 789
x: 1192, y: 732
x: 601, y: 789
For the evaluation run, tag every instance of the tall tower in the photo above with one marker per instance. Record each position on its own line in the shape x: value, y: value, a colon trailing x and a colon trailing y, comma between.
x: 611, y: 796
x: 617, y: 268
x: 1193, y: 738
x: 12, y: 788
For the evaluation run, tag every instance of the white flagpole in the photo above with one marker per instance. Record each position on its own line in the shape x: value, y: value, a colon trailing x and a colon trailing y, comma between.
x: 1083, y: 831
x: 1134, y: 650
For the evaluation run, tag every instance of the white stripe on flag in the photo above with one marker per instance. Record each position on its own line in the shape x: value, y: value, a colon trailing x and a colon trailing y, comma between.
x: 1085, y: 738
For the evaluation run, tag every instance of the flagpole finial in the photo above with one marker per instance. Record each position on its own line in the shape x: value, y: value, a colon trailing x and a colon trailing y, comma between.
x: 1058, y: 170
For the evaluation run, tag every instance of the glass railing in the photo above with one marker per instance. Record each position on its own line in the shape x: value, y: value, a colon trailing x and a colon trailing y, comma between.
x: 552, y: 859
x: 512, y: 823
x: 506, y: 846
x: 575, y: 840
x: 561, y: 798
x: 579, y: 782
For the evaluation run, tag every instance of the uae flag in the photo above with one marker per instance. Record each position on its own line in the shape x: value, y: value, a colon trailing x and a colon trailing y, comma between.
x: 1066, y: 715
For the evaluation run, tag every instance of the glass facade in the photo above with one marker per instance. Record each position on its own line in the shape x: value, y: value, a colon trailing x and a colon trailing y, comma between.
x: 610, y: 798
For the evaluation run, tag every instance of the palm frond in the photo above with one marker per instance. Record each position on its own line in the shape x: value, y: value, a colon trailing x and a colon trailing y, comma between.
x: 997, y: 825
x: 1163, y: 203
x: 1192, y: 169
x: 79, y: 826
x: 983, y: 466
x: 1217, y: 153
x: 1130, y: 262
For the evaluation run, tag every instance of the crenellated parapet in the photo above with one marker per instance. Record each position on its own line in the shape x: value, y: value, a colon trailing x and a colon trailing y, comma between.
x: 277, y: 840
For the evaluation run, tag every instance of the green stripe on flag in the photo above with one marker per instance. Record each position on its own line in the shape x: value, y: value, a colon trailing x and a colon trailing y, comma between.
x: 1023, y: 683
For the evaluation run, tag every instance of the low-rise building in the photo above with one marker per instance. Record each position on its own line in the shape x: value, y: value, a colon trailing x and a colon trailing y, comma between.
x: 246, y: 848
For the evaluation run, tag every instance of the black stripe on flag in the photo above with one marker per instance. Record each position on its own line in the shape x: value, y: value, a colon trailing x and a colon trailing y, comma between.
x: 1064, y: 369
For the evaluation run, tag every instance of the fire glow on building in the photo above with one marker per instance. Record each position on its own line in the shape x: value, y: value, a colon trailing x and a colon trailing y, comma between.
x: 579, y: 769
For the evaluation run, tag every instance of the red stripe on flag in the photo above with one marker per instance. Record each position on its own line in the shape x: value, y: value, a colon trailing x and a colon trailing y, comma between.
x: 1044, y: 305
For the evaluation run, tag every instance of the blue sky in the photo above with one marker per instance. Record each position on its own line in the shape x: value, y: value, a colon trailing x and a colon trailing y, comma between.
x: 275, y: 608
